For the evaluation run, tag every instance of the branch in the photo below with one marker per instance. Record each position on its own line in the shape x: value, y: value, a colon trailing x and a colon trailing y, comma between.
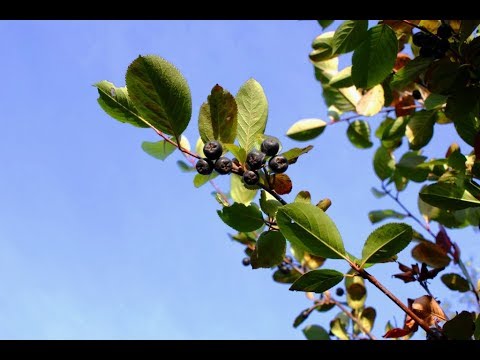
x: 167, y: 139
x: 385, y: 110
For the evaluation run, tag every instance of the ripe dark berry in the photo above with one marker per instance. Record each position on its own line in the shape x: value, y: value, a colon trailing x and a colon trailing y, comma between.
x: 426, y: 51
x: 339, y: 291
x: 212, y: 150
x: 278, y: 164
x: 420, y: 39
x: 270, y: 147
x: 246, y: 261
x: 250, y: 177
x: 223, y: 165
x: 444, y: 31
x: 255, y: 159
x: 435, y: 334
x: 204, y: 166
x: 416, y: 94
x: 284, y: 269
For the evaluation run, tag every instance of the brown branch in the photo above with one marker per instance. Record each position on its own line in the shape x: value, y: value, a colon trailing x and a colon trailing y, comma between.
x: 177, y: 145
x: 354, y: 319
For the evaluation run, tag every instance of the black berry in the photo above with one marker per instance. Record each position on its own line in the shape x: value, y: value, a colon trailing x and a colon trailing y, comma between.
x: 255, y: 159
x: 420, y: 39
x: 212, y: 150
x: 416, y: 94
x: 204, y: 166
x: 223, y: 165
x: 270, y: 147
x: 339, y: 292
x: 246, y: 261
x: 250, y: 177
x: 284, y: 269
x: 426, y: 51
x: 278, y: 164
x: 444, y: 31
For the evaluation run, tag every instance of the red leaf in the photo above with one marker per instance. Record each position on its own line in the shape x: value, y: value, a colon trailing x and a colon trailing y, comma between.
x: 443, y: 240
x: 405, y: 106
x: 401, y: 61
x: 396, y: 333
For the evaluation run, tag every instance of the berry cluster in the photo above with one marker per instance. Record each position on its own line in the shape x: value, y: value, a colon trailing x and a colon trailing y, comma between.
x: 431, y: 45
x: 254, y: 162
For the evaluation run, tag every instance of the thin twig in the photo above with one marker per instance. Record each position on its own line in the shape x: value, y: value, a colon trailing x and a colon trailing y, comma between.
x: 177, y: 145
x: 354, y: 319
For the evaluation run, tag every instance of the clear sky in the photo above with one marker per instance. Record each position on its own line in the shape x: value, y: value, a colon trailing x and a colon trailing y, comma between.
x: 98, y: 240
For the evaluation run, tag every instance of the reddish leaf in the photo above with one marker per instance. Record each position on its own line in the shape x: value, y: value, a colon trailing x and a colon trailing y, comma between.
x: 401, y: 61
x: 281, y: 183
x: 396, y: 333
x: 403, y: 268
x: 443, y: 240
x: 405, y: 106
x: 406, y: 277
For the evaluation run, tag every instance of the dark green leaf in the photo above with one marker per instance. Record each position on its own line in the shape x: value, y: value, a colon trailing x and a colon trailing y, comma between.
x: 435, y: 101
x: 395, y: 129
x: 384, y: 125
x: 420, y: 128
x: 457, y: 161
x: 241, y: 217
x: 325, y: 23
x: 199, y: 179
x: 408, y: 166
x: 342, y: 79
x: 380, y: 215
x: 160, y: 93
x: 455, y: 282
x: 315, y: 332
x: 116, y: 103
x: 310, y: 228
x: 410, y: 72
x: 463, y: 107
x: 383, y: 163
x: 159, y: 150
x: 373, y: 60
x: 430, y: 254
x: 269, y: 206
x: 252, y: 113
x: 217, y: 119
x: 461, y: 327
x: 306, y: 129
x: 467, y: 27
x: 448, y: 196
x: 317, y: 281
x: 269, y: 251
x: 349, y: 35
x: 289, y: 278
x: 292, y: 155
x: 301, y: 318
x: 358, y: 133
x: 386, y: 241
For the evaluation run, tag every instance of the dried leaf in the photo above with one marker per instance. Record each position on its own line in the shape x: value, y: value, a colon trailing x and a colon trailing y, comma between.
x: 428, y: 309
x: 281, y: 183
x: 405, y: 106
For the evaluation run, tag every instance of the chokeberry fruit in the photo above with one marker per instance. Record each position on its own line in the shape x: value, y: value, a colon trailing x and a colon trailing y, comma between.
x: 213, y: 150
x: 204, y: 166
x: 255, y: 159
x: 420, y: 39
x: 246, y: 261
x: 223, y: 165
x: 270, y: 147
x: 284, y: 269
x: 278, y: 164
x: 339, y: 291
x: 444, y: 31
x: 250, y: 177
x: 416, y: 94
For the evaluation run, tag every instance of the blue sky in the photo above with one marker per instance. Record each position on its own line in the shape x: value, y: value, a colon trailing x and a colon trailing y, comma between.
x: 98, y: 240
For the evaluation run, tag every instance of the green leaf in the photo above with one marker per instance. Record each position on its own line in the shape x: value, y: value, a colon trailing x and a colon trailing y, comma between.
x: 300, y: 318
x: 160, y: 93
x: 184, y: 166
x: 343, y: 79
x: 358, y: 133
x: 116, y: 103
x: 241, y: 217
x: 292, y: 155
x: 308, y: 227
x: 455, y: 282
x: 396, y: 129
x: 252, y: 113
x: 349, y: 35
x: 377, y: 193
x: 303, y: 197
x: 435, y: 101
x: 430, y: 254
x: 237, y: 151
x: 383, y: 163
x: 317, y: 281
x: 269, y: 205
x: 217, y: 119
x: 386, y: 241
x: 199, y: 179
x: 461, y: 327
x: 373, y: 60
x: 289, y: 278
x: 367, y: 318
x: 356, y: 291
x: 448, y: 196
x: 457, y: 161
x: 322, y: 48
x: 306, y: 129
x: 420, y: 128
x: 338, y: 326
x: 371, y: 102
x: 467, y: 27
x: 380, y: 215
x: 239, y: 192
x: 463, y: 107
x: 325, y: 23
x: 410, y: 72
x: 408, y: 166
x: 315, y: 332
x: 269, y: 251
x: 159, y: 150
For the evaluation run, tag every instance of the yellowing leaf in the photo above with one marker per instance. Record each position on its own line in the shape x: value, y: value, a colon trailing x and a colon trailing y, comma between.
x: 372, y: 102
